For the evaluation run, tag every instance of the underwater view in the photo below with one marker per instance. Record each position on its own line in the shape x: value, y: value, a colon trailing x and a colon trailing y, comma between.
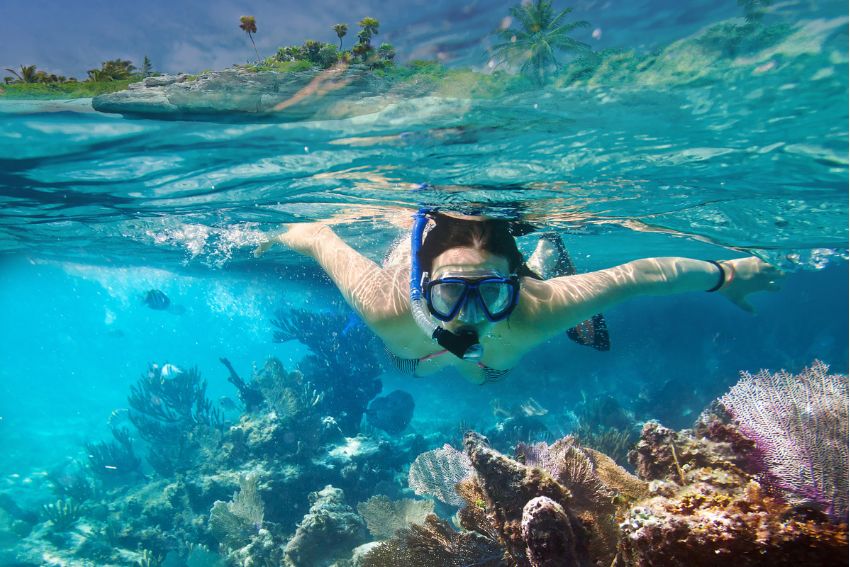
x: 424, y: 284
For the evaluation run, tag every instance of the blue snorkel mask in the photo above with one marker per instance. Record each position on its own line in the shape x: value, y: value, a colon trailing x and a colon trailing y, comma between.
x: 475, y: 298
x: 491, y: 295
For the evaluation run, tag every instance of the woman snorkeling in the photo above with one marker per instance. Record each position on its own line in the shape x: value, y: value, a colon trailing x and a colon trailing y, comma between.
x: 461, y: 295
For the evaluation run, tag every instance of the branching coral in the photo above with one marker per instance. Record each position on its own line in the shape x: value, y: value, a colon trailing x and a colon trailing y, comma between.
x: 601, y: 490
x: 290, y: 423
x: 63, y: 514
x: 171, y: 414
x: 614, y: 442
x: 71, y: 481
x: 112, y: 461
x: 436, y: 544
x: 341, y: 365
x: 159, y: 403
x: 250, y: 396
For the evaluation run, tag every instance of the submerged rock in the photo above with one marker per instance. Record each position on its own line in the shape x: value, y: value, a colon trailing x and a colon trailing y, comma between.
x: 392, y: 412
x: 330, y: 531
x: 329, y: 94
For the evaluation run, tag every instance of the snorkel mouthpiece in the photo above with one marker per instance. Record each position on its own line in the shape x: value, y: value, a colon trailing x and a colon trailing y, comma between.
x: 463, y: 345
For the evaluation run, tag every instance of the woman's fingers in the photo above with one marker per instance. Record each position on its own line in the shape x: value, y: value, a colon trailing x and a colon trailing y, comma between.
x: 263, y: 248
x: 272, y: 240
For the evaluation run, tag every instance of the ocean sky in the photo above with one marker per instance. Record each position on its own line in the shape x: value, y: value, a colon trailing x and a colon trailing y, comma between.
x: 69, y: 38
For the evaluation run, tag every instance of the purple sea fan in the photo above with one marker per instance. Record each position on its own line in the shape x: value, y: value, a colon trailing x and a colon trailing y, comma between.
x: 799, y: 425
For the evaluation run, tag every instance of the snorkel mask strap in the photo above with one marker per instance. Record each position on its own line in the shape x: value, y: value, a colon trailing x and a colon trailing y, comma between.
x: 464, y: 345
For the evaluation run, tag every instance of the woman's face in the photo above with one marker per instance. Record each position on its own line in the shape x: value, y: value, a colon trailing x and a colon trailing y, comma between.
x: 469, y: 262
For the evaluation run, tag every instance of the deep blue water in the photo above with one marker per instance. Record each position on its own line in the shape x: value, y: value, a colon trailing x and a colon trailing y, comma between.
x: 98, y: 209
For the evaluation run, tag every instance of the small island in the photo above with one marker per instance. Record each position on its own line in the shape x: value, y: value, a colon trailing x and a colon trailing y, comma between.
x: 323, y: 80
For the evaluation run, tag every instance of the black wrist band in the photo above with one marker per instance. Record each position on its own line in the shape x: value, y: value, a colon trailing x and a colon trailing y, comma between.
x: 722, y: 276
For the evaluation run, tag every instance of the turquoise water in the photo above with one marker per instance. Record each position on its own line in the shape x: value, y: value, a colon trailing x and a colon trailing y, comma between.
x: 749, y: 158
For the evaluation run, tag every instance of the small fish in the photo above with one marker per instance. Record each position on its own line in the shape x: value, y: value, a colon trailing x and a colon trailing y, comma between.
x: 227, y: 403
x: 392, y: 412
x: 169, y: 371
x: 155, y: 299
x: 119, y: 417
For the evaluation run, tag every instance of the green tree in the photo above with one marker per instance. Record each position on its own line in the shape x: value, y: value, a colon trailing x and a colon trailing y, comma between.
x: 386, y: 52
x: 539, y: 36
x: 368, y: 29
x: 249, y: 25
x: 44, y: 77
x: 28, y: 74
x: 147, y: 67
x: 113, y: 70
x: 290, y: 53
x: 311, y: 50
x: 328, y: 56
x: 341, y: 30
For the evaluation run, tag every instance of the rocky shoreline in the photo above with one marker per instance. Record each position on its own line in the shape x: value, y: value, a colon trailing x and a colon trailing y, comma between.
x: 235, y: 93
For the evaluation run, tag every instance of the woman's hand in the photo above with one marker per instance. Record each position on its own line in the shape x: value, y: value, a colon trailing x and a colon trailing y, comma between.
x: 300, y: 237
x: 748, y: 275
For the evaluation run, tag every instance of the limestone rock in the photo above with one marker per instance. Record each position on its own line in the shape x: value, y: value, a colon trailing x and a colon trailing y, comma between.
x: 270, y: 95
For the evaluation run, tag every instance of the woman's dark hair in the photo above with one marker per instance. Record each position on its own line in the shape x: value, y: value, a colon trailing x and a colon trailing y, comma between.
x: 493, y: 235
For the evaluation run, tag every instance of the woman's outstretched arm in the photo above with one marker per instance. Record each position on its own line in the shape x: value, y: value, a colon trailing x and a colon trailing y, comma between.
x: 371, y: 291
x: 552, y: 306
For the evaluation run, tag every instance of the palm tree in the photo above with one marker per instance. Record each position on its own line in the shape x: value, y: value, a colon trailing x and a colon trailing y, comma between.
x: 341, y: 30
x: 369, y: 28
x: 28, y: 74
x: 113, y: 70
x: 249, y: 25
x: 539, y: 36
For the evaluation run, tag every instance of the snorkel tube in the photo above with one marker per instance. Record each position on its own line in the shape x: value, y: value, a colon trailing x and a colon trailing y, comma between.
x: 464, y: 345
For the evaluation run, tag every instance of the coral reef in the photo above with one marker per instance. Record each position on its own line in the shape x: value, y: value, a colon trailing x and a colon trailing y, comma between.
x: 238, y: 496
x: 174, y: 416
x: 707, y: 503
x: 232, y: 523
x: 700, y: 496
x: 251, y: 397
x: 62, y: 514
x: 384, y: 516
x: 437, y: 472
x: 108, y: 461
x: 287, y: 423
x: 341, y: 365
x: 329, y: 531
x: 507, y: 486
x: 616, y: 443
x: 548, y: 534
x: 799, y: 426
x: 435, y: 544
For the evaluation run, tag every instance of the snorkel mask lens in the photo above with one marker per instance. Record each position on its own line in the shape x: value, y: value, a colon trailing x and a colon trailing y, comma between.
x: 494, y: 296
